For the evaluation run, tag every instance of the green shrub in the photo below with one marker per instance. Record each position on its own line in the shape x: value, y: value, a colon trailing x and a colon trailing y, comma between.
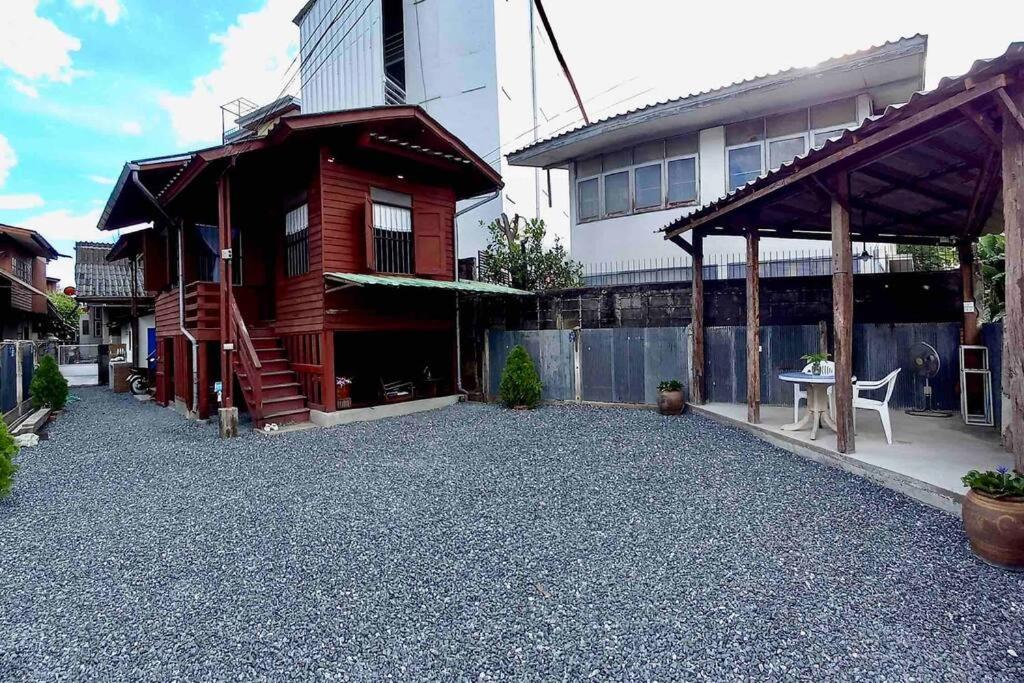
x: 670, y: 385
x: 49, y: 388
x: 8, y: 449
x: 520, y: 383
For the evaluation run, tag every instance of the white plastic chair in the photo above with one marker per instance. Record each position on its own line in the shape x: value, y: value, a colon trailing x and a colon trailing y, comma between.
x: 828, y: 368
x: 880, y: 407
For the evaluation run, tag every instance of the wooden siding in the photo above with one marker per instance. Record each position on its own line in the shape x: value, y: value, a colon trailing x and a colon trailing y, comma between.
x: 166, y: 314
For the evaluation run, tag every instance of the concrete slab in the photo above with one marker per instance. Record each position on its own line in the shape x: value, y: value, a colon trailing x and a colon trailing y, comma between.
x: 926, y: 460
x: 341, y: 417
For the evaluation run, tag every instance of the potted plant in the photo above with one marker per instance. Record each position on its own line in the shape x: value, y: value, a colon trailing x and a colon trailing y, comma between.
x: 670, y: 397
x: 343, y: 392
x: 993, y: 514
x: 815, y: 360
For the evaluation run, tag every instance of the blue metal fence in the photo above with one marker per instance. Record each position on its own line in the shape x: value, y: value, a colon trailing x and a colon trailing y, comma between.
x: 878, y: 350
x: 992, y: 337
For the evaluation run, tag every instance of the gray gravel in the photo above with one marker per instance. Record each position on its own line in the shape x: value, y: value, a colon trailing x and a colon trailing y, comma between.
x: 474, y: 543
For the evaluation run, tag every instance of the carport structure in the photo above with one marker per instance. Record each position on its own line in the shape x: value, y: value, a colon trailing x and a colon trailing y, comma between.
x: 942, y: 169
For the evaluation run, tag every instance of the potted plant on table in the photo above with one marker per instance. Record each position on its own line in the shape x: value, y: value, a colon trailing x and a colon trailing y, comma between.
x: 993, y: 514
x: 815, y: 360
x: 343, y: 392
x: 670, y: 397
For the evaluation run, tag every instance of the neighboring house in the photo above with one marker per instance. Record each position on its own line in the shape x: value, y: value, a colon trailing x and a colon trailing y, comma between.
x: 116, y: 307
x: 484, y: 69
x: 25, y: 312
x: 338, y: 233
x: 633, y: 173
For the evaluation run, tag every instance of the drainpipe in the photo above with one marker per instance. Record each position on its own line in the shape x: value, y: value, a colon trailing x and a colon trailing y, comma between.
x: 181, y: 318
x: 458, y: 312
x: 181, y: 282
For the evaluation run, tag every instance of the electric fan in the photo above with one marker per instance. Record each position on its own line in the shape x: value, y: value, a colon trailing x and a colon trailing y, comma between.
x: 924, y: 360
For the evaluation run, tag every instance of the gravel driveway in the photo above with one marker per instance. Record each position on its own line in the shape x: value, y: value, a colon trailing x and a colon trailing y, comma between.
x: 474, y: 543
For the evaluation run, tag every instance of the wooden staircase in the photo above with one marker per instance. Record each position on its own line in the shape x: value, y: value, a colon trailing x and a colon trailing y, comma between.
x: 269, y: 385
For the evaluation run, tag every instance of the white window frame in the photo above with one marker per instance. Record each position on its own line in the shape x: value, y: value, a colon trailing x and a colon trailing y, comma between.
x: 600, y: 199
x: 743, y: 145
x: 696, y: 177
x: 628, y: 170
x: 815, y: 131
x: 660, y: 206
x: 807, y: 137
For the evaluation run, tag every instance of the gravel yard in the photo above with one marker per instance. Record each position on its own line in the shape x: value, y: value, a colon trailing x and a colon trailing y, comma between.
x: 474, y: 543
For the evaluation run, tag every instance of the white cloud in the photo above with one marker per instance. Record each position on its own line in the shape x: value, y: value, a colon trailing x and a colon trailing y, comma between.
x: 13, y: 202
x: 8, y: 159
x: 24, y: 88
x: 110, y: 9
x: 33, y: 47
x: 256, y: 51
x: 101, y: 180
x: 63, y: 268
x: 62, y: 224
x: 131, y: 128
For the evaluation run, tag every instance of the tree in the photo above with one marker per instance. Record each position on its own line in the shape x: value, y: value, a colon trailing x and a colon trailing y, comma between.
x: 8, y: 449
x: 516, y: 256
x: 49, y: 387
x: 992, y: 255
x: 69, y: 314
x: 929, y: 258
x: 520, y: 384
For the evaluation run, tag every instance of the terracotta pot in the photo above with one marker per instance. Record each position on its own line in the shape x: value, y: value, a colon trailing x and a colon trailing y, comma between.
x: 671, y: 402
x: 995, y: 527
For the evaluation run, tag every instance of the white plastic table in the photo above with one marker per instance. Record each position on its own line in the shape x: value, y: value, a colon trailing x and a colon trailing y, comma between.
x: 817, y: 401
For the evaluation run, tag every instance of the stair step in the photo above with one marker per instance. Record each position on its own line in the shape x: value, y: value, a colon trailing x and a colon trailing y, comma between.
x: 278, y: 390
x: 270, y: 353
x: 277, y: 405
x: 285, y: 417
x: 265, y: 343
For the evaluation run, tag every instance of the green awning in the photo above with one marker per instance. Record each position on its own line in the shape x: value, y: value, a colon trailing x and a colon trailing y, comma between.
x: 344, y: 280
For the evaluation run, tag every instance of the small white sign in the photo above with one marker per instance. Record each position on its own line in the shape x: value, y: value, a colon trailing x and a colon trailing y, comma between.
x: 228, y: 346
x: 218, y: 386
x: 969, y: 307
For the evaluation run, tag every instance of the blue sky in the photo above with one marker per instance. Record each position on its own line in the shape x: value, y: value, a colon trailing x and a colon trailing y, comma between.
x: 87, y: 84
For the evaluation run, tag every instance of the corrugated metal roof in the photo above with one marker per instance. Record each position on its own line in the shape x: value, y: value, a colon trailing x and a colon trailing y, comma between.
x: 1014, y: 55
x: 469, y: 286
x: 725, y: 89
x: 96, y: 277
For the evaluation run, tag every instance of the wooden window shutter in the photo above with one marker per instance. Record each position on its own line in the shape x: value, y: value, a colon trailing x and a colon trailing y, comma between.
x: 428, y: 232
x: 371, y: 264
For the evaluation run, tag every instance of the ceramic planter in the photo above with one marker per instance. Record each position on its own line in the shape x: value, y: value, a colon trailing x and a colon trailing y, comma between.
x: 995, y: 527
x: 671, y: 402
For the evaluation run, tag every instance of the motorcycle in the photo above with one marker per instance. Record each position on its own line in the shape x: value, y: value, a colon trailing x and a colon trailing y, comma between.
x: 138, y: 378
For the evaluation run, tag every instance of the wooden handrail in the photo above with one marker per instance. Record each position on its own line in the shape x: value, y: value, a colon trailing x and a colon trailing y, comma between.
x: 242, y: 332
x: 247, y: 357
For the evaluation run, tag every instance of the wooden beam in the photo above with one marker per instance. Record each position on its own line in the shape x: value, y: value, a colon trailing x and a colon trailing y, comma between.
x: 972, y: 335
x: 753, y: 329
x: 983, y: 201
x: 1013, y: 323
x: 224, y: 232
x: 981, y: 123
x: 698, y: 391
x: 683, y: 244
x: 327, y: 380
x: 872, y: 143
x: 1010, y: 109
x: 915, y: 185
x: 842, y: 304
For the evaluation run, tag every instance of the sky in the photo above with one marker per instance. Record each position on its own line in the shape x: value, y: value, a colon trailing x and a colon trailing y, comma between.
x: 86, y: 85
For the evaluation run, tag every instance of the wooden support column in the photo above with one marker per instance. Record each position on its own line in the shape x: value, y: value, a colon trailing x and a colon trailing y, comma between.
x: 1013, y: 323
x: 842, y: 306
x: 330, y: 404
x: 972, y: 335
x: 698, y: 392
x: 753, y: 329
x: 224, y: 231
x: 203, y: 400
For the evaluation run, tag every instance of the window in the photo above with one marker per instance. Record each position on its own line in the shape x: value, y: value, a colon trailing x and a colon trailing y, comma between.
x: 682, y: 180
x: 296, y: 241
x: 85, y: 327
x: 616, y: 193
x: 98, y: 328
x: 647, y: 186
x: 589, y: 201
x: 822, y: 136
x: 208, y: 258
x: 744, y: 164
x: 785, y: 149
x: 392, y: 231
x: 22, y: 268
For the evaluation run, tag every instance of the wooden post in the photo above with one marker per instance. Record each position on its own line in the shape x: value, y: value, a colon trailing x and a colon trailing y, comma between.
x: 203, y: 400
x: 842, y: 306
x: 698, y: 393
x: 972, y: 335
x: 753, y: 329
x: 224, y: 231
x: 1013, y: 323
x: 330, y: 403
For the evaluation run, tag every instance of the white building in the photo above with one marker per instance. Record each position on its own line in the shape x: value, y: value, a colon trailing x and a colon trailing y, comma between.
x: 633, y: 173
x: 483, y: 68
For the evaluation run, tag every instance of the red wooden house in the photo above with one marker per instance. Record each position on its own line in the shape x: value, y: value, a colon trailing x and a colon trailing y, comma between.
x: 324, y: 249
x: 25, y: 311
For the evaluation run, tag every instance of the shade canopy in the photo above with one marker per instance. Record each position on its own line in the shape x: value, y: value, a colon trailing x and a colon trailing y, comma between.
x: 465, y: 286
